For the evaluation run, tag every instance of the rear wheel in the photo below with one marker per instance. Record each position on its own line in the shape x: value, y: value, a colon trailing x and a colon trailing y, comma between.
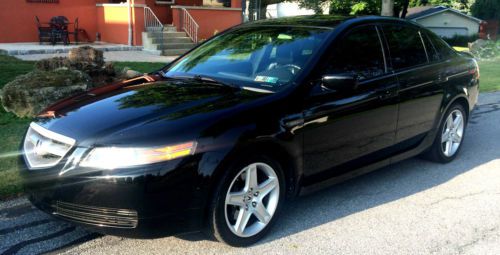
x: 450, y: 136
x: 247, y: 202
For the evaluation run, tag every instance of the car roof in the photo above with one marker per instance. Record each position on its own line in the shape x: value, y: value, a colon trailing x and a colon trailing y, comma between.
x: 325, y: 21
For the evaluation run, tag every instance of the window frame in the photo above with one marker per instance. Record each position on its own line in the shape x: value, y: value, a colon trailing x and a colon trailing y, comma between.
x: 336, y: 43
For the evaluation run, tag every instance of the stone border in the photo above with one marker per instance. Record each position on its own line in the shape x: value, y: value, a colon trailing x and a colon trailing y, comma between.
x: 66, y: 50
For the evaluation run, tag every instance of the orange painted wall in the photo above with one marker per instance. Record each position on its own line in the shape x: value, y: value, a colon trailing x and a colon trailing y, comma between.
x: 17, y: 17
x: 210, y: 21
x: 164, y: 12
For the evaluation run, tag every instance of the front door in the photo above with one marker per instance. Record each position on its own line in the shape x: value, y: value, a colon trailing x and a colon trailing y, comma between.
x: 344, y: 129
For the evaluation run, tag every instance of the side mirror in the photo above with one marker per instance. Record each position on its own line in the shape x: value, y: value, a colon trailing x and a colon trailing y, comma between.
x: 339, y: 82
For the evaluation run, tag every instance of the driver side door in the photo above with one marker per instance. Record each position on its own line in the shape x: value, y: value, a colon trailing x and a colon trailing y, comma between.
x: 348, y: 128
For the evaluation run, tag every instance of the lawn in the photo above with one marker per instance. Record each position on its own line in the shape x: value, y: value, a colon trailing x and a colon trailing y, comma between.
x: 13, y: 128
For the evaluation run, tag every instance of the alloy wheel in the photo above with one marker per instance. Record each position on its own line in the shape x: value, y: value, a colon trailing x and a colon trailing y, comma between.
x: 252, y: 199
x: 452, y: 133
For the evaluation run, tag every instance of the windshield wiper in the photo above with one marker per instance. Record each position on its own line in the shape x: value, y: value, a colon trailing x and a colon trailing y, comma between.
x: 211, y: 80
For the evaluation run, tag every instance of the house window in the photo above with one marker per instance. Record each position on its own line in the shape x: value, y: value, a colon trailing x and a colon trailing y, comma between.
x: 217, y: 3
x: 43, y: 1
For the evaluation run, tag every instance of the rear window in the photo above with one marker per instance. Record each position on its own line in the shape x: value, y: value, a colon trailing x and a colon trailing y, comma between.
x: 443, y: 49
x: 405, y: 45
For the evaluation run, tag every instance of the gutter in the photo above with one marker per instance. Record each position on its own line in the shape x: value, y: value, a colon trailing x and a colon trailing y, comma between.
x: 130, y: 35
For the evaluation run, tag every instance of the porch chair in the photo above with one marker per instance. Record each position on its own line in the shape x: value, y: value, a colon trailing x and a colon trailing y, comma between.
x: 44, y: 32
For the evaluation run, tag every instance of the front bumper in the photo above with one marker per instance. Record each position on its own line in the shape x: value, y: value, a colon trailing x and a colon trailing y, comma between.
x: 153, y: 201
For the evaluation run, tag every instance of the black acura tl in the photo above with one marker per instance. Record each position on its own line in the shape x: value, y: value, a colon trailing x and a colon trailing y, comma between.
x: 220, y: 138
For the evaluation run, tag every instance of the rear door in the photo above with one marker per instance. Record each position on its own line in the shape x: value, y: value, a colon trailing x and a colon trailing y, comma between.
x: 418, y: 73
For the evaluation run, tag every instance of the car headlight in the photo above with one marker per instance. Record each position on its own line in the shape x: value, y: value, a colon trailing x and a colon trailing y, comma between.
x: 122, y: 157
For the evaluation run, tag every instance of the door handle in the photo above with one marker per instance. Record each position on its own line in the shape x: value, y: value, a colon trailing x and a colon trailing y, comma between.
x: 293, y: 121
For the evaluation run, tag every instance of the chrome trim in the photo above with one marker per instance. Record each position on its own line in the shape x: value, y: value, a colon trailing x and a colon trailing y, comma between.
x: 97, y: 216
x: 416, y: 86
x: 457, y: 75
x: 52, y: 135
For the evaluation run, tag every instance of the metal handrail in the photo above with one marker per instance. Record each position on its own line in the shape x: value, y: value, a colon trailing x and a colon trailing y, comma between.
x: 151, y: 22
x: 189, y: 25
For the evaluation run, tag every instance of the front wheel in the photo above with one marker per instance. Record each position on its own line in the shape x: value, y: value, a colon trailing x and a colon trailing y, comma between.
x: 247, y: 202
x: 450, y: 136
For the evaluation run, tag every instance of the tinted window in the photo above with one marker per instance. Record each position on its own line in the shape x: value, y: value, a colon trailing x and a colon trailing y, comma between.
x: 359, y: 53
x: 405, y: 45
x: 431, y: 50
x: 443, y: 49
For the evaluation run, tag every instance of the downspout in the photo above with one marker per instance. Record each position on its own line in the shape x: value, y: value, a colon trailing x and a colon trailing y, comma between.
x: 130, y: 35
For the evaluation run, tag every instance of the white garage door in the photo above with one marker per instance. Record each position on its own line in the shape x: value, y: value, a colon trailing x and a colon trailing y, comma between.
x: 449, y: 32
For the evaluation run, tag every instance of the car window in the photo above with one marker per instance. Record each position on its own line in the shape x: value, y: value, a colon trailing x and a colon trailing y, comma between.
x: 443, y: 49
x: 429, y: 47
x: 405, y: 46
x: 359, y: 53
x: 259, y: 57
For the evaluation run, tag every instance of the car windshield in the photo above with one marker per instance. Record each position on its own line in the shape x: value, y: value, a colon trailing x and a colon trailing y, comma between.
x: 258, y: 58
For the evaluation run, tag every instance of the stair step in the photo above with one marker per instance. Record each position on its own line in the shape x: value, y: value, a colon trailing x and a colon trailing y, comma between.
x: 174, y: 52
x: 170, y: 28
x: 172, y: 40
x: 166, y: 34
x: 168, y: 46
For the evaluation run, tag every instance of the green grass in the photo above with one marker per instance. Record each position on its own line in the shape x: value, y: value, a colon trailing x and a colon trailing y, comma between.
x: 12, y: 128
x: 490, y: 75
x: 142, y: 67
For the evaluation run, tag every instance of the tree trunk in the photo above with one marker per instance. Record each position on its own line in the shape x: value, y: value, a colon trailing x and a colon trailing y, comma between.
x: 406, y: 3
x: 387, y: 8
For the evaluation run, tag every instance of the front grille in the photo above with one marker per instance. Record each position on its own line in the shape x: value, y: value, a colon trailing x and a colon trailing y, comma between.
x: 44, y: 148
x: 98, y: 216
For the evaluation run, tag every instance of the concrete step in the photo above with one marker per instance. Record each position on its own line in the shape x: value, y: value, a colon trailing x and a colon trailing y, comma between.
x: 172, y: 46
x: 170, y: 28
x: 172, y: 40
x: 174, y: 52
x: 156, y: 35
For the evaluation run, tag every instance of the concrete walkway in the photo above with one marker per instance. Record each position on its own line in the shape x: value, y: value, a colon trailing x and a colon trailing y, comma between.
x: 115, y: 56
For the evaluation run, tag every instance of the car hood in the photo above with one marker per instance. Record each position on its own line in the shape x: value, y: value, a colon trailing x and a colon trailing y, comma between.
x: 143, y: 113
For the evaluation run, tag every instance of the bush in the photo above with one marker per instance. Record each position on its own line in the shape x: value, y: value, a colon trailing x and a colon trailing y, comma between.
x: 461, y: 40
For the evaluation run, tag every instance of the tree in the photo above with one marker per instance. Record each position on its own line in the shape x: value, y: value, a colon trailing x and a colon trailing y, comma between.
x: 486, y: 9
x: 387, y: 8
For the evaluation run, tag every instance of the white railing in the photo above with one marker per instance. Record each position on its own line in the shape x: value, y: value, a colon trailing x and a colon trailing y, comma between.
x: 151, y: 22
x: 189, y: 25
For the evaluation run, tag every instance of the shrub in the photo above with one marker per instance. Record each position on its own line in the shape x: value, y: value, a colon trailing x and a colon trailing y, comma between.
x: 461, y: 40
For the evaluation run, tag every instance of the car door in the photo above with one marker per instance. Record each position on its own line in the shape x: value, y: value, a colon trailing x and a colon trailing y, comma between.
x: 345, y: 129
x: 419, y: 78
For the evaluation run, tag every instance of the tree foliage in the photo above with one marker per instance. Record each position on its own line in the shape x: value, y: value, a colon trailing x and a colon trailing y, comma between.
x: 486, y: 9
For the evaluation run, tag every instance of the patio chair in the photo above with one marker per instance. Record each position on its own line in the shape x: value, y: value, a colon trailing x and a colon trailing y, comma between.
x: 75, y: 31
x: 44, y: 32
x: 59, y: 25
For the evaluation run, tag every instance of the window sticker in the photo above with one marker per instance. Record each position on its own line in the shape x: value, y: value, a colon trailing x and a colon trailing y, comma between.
x: 266, y: 79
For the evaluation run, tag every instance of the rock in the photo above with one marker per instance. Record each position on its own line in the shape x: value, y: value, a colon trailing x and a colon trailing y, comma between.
x: 130, y: 74
x: 29, y: 94
x: 485, y: 49
x: 52, y: 64
x: 86, y: 54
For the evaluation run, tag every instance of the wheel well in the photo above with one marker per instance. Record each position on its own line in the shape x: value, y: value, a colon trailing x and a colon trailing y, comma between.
x: 464, y: 103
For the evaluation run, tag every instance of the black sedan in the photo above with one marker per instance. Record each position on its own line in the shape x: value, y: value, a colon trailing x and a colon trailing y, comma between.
x: 219, y: 139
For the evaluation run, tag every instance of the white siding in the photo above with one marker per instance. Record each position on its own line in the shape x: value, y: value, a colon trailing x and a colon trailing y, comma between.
x: 448, y: 23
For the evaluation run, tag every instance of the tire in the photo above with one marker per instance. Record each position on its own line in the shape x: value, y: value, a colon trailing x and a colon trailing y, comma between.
x: 441, y: 151
x: 235, y: 198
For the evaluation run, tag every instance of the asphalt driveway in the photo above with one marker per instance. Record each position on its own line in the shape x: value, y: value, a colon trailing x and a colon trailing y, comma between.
x: 414, y: 207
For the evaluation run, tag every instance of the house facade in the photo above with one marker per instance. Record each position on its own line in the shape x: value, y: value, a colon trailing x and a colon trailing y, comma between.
x: 112, y: 21
x: 445, y: 22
